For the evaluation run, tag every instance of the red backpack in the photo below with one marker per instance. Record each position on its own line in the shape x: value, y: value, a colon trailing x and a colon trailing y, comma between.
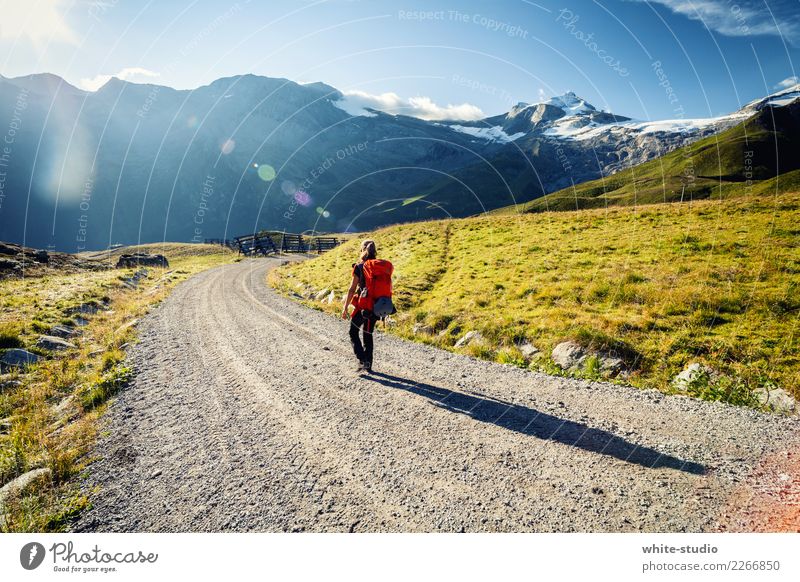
x: 376, y: 287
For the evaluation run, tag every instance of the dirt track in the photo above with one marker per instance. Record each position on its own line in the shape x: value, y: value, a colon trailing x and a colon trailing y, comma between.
x: 246, y: 415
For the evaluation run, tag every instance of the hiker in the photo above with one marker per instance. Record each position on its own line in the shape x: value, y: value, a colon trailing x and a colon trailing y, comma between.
x: 370, y: 294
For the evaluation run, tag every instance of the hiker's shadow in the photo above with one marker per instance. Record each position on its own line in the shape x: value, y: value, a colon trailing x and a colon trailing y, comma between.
x: 532, y: 422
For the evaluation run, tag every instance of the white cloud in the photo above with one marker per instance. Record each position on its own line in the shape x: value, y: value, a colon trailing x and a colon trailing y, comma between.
x: 355, y: 102
x: 126, y: 74
x: 743, y: 17
x: 39, y: 21
x: 788, y: 82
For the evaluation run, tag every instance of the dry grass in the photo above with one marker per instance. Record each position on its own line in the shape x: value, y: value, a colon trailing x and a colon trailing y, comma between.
x: 51, y: 420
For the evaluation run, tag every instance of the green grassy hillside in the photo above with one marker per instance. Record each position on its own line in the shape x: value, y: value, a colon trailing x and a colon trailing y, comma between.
x: 756, y: 157
x: 663, y: 285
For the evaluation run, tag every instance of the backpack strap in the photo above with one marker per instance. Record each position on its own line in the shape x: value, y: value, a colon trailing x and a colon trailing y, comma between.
x: 358, y: 268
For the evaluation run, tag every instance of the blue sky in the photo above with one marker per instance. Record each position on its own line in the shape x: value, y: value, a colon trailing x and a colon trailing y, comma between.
x: 650, y: 60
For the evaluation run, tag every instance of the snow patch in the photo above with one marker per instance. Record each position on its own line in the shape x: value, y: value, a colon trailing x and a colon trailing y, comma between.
x: 494, y: 133
x: 781, y: 98
x: 353, y: 108
x: 565, y: 129
x: 571, y: 104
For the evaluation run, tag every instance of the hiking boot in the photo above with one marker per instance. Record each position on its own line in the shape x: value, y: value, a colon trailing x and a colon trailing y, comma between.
x: 361, y: 368
x: 368, y: 367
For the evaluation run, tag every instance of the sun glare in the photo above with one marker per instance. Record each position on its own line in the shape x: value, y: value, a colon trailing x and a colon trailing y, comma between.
x: 40, y: 21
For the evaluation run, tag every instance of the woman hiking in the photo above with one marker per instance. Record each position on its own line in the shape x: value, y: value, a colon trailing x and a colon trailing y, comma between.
x: 370, y: 294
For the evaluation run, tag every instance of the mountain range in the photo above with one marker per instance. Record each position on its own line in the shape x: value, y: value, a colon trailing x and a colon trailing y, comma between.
x: 141, y: 163
x: 758, y: 156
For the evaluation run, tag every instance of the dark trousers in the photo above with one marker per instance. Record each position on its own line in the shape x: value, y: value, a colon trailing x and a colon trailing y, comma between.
x: 364, y: 323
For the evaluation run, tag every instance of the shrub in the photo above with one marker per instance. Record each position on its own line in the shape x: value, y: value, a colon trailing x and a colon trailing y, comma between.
x: 722, y: 389
x: 591, y: 368
x: 513, y: 357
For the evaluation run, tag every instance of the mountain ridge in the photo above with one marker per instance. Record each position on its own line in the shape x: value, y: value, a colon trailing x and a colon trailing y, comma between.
x: 130, y: 160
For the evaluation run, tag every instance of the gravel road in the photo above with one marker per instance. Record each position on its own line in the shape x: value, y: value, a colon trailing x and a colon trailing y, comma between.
x: 246, y: 414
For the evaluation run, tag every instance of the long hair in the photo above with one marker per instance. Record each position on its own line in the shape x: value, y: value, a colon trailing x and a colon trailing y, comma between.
x: 368, y: 250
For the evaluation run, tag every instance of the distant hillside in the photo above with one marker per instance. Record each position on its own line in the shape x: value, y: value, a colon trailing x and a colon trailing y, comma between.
x: 757, y: 157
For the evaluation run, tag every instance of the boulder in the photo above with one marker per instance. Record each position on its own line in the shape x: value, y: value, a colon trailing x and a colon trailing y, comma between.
x: 133, y: 280
x: 777, y: 400
x: 422, y: 329
x: 320, y: 295
x: 137, y: 259
x: 569, y: 355
x: 56, y: 344
x: 63, y: 331
x: 692, y: 373
x: 41, y: 256
x: 471, y: 337
x: 528, y: 349
x: 18, y: 358
x: 331, y: 297
x: 84, y: 308
x: 610, y: 365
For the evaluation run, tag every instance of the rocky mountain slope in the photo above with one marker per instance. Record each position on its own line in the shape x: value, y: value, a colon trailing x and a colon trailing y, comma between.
x: 131, y: 162
x: 756, y: 156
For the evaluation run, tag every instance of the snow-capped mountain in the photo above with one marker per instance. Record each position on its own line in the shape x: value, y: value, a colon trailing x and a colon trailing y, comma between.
x: 132, y: 162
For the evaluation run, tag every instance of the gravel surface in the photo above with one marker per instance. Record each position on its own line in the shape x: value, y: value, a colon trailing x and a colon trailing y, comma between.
x: 246, y: 414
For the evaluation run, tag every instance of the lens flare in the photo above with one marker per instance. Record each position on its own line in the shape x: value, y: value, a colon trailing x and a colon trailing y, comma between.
x: 192, y: 121
x: 266, y: 172
x: 288, y: 187
x: 326, y: 214
x: 302, y: 198
x: 228, y: 146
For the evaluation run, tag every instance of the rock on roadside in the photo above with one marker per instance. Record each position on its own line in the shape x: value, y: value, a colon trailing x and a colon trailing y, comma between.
x: 569, y: 355
x: 63, y: 331
x: 528, y: 349
x: 52, y: 343
x: 471, y: 337
x: 9, y: 385
x: 18, y: 358
x: 777, y: 400
x: 692, y: 373
x: 421, y: 329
